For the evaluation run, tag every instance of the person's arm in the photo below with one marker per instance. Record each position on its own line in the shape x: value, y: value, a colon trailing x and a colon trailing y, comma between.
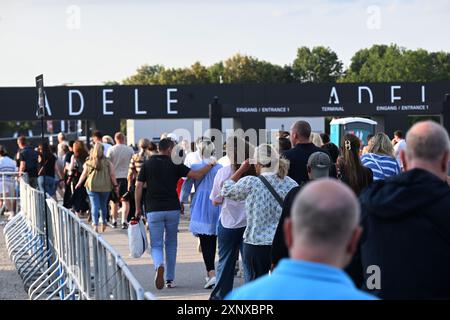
x: 131, y: 174
x: 83, y: 176
x: 71, y: 165
x: 22, y: 167
x: 215, y: 196
x: 238, y: 191
x: 138, y: 198
x: 112, y: 174
x: 186, y: 190
x: 198, y: 174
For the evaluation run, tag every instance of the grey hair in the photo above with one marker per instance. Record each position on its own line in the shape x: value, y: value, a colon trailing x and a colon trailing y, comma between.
x: 427, y: 141
x: 324, y: 221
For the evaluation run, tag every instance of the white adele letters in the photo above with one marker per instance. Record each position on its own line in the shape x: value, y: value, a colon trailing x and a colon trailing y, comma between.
x: 170, y: 101
x: 136, y: 103
x: 334, y: 95
x: 393, y: 96
x: 76, y: 102
x: 360, y: 89
x: 105, y: 102
x: 81, y: 108
x: 334, y: 98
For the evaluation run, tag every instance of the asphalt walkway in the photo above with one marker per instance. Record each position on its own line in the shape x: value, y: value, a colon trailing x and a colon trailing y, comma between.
x: 190, y: 270
x: 11, y: 285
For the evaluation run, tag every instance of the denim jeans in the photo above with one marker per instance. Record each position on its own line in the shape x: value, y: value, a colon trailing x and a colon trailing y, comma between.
x: 49, y: 184
x: 99, y: 201
x: 230, y: 242
x: 163, y: 228
x: 257, y: 260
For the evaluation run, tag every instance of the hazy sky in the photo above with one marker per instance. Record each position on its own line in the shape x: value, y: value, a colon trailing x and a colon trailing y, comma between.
x: 87, y: 42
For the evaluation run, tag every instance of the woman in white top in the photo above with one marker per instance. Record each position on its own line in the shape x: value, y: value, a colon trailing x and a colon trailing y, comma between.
x: 232, y: 219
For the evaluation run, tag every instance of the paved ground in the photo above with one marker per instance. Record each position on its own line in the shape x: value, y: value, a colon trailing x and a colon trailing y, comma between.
x: 11, y: 286
x: 190, y: 269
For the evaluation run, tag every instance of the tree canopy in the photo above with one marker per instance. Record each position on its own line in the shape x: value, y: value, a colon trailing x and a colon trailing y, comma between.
x: 379, y: 63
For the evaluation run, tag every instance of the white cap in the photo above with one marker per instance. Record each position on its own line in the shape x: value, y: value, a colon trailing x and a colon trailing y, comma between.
x: 173, y: 137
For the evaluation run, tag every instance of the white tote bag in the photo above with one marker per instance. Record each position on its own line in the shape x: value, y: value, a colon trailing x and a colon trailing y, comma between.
x: 137, y: 238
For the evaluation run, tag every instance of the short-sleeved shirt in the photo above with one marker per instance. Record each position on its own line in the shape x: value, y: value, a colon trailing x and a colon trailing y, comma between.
x: 120, y: 156
x: 161, y: 176
x: 30, y: 157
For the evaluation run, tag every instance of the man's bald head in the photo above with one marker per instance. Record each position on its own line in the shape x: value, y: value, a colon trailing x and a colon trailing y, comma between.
x: 325, y: 221
x: 302, y: 129
x: 300, y: 132
x: 427, y: 141
x: 119, y: 137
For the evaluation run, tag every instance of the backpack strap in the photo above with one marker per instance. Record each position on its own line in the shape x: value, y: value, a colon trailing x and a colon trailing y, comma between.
x: 271, y: 189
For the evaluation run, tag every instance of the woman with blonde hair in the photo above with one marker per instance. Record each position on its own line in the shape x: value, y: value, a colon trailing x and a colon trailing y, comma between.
x: 204, y: 215
x: 380, y: 157
x: 263, y: 195
x: 316, y: 139
x: 99, y: 179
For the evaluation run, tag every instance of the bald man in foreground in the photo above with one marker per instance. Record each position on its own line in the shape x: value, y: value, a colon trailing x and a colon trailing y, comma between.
x: 322, y: 236
x: 406, y: 221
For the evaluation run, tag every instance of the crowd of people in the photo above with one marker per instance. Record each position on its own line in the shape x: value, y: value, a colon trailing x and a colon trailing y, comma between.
x: 310, y: 220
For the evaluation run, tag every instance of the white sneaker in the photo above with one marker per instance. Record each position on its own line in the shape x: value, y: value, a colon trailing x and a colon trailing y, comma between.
x: 210, y: 283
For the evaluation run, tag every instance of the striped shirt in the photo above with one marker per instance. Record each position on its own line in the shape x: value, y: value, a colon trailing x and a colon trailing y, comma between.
x: 382, y: 166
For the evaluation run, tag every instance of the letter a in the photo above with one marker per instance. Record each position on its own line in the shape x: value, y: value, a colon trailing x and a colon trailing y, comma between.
x: 374, y: 281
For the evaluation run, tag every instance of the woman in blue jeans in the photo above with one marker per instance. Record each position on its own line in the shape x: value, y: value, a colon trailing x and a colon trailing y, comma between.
x: 46, y: 173
x: 100, y: 179
x: 232, y: 221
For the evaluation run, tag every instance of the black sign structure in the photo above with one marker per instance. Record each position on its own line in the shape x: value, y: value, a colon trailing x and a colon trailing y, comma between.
x: 240, y: 100
x: 249, y: 104
x: 41, y: 96
x: 41, y: 116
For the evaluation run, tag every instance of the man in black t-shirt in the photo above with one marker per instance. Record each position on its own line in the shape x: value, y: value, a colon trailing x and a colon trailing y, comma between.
x: 161, y: 175
x: 28, y: 159
x: 299, y: 154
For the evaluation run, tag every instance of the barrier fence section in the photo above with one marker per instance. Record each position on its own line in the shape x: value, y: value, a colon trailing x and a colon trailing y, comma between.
x: 9, y: 191
x: 78, y: 263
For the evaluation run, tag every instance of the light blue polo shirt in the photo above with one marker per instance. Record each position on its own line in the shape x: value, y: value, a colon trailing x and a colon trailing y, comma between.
x: 301, y: 280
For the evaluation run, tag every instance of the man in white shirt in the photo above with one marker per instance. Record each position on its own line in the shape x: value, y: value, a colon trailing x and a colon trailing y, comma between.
x: 120, y: 155
x: 399, y: 145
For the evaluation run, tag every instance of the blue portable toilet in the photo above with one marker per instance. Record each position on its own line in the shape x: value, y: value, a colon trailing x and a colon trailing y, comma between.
x: 360, y: 127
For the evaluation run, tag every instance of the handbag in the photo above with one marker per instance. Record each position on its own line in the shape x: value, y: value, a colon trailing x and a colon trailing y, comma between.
x: 99, y: 180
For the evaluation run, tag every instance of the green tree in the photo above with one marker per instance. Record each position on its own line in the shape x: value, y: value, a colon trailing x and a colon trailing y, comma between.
x: 146, y: 74
x: 382, y: 63
x: 317, y: 65
x: 247, y: 69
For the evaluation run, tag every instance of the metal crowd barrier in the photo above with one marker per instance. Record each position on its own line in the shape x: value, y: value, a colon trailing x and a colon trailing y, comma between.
x: 77, y: 264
